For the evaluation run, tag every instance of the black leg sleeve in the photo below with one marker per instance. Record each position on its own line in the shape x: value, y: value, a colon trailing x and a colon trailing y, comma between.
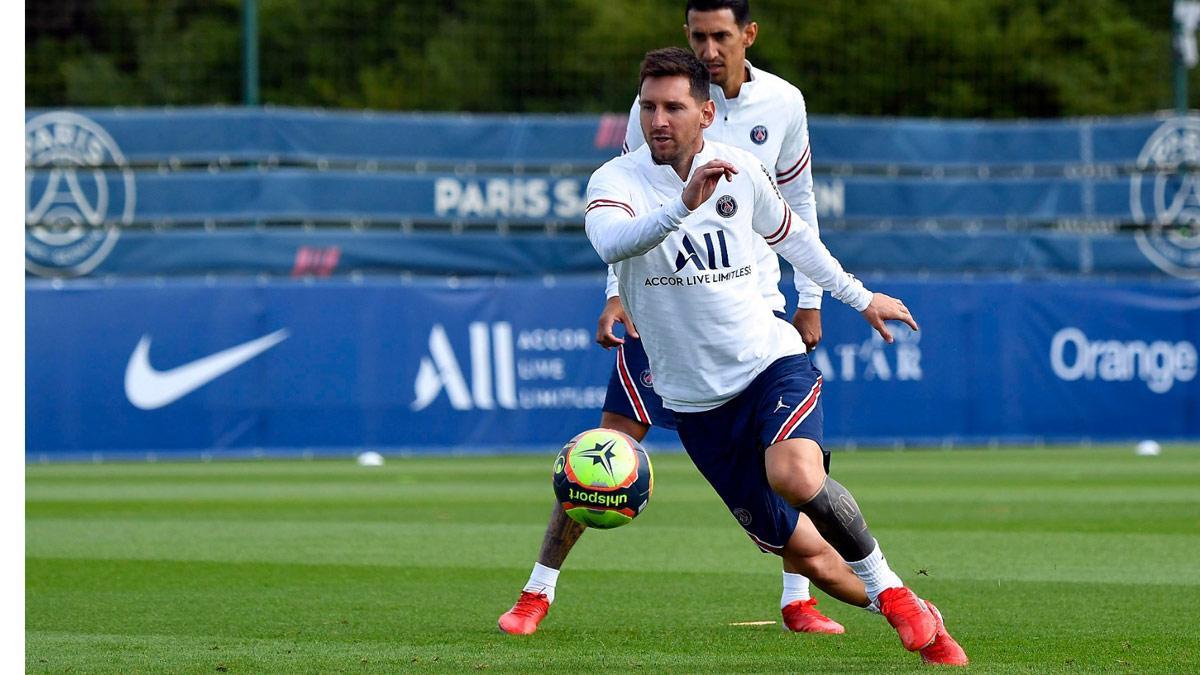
x: 839, y: 520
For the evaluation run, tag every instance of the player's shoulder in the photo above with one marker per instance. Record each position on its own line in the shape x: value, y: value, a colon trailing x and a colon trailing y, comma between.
x: 737, y: 156
x: 620, y: 169
x: 750, y: 167
x: 776, y: 85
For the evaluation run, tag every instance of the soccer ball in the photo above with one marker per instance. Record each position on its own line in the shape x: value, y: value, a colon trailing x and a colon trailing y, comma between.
x: 603, y: 478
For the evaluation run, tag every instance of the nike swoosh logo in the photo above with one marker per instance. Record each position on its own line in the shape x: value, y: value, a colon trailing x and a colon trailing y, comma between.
x: 149, y: 389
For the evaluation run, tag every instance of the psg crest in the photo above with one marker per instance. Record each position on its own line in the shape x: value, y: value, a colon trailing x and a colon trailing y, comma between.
x: 743, y: 516
x: 1164, y: 196
x: 726, y: 206
x: 758, y: 135
x: 79, y: 190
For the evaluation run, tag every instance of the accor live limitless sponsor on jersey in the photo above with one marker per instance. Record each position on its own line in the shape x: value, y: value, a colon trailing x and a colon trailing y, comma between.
x: 499, y: 370
x: 513, y: 197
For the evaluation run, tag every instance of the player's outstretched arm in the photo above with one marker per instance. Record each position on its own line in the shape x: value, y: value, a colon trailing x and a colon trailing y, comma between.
x: 786, y: 233
x: 799, y: 245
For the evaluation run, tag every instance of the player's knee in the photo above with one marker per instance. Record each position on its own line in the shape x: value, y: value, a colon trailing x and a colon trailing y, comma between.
x: 796, y: 485
x: 795, y: 469
x: 630, y: 427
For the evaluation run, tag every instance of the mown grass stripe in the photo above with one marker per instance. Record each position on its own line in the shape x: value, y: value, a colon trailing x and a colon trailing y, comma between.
x: 1043, y: 561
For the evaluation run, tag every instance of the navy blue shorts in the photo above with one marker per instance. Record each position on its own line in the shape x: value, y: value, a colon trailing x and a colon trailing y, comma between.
x: 631, y: 386
x: 728, y: 445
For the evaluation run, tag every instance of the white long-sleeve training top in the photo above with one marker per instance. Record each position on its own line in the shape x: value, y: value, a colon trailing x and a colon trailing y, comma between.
x: 768, y: 118
x: 690, y: 280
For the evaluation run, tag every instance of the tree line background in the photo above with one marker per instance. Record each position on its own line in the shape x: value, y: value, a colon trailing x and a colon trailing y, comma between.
x: 944, y: 58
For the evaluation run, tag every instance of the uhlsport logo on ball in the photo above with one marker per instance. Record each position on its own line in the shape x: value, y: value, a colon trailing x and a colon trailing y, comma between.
x: 79, y: 190
x: 603, y: 478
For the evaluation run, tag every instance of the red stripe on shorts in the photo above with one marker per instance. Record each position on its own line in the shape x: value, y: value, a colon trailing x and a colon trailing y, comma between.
x: 799, y: 414
x: 635, y: 397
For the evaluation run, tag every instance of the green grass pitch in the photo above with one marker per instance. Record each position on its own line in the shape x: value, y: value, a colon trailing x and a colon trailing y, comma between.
x: 1050, y: 560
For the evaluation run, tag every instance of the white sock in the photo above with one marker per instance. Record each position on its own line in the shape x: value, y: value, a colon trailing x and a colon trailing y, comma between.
x: 542, y: 580
x: 795, y: 587
x: 875, y: 573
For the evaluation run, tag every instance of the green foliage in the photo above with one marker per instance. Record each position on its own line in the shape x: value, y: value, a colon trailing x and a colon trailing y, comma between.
x: 952, y: 58
x: 969, y: 58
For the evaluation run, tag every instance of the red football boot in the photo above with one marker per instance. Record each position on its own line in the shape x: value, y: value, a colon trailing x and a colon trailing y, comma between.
x: 802, y: 616
x: 524, y: 617
x: 910, y: 616
x: 944, y: 650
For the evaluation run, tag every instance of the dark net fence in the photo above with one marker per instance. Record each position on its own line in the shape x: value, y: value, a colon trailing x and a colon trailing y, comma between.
x: 948, y: 58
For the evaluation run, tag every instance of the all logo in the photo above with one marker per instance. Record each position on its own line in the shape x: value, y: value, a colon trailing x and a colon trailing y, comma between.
x: 691, y: 256
x: 1164, y: 195
x: 439, y: 371
x: 503, y: 369
x: 79, y: 191
x: 646, y: 378
x: 726, y: 206
x: 758, y: 135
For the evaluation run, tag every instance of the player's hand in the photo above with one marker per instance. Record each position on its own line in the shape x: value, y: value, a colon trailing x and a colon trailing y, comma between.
x: 704, y: 182
x: 886, y: 308
x: 808, y: 324
x: 614, y: 313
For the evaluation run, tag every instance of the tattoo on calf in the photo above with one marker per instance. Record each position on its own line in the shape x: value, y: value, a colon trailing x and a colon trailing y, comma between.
x: 561, y: 535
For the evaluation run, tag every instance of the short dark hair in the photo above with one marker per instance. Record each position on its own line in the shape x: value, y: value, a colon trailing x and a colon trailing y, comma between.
x: 740, y: 8
x: 672, y: 62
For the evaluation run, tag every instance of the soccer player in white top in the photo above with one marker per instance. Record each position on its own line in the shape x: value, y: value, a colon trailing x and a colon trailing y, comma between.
x: 766, y: 115
x: 677, y: 218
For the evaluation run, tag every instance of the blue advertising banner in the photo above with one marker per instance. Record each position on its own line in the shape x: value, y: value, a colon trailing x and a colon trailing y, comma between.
x: 239, y: 366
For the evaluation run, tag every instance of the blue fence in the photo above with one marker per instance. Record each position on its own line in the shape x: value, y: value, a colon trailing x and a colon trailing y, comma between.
x: 237, y: 367
x: 204, y: 135
x: 265, y: 181
x: 281, y: 136
x: 297, y: 195
x: 323, y: 252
